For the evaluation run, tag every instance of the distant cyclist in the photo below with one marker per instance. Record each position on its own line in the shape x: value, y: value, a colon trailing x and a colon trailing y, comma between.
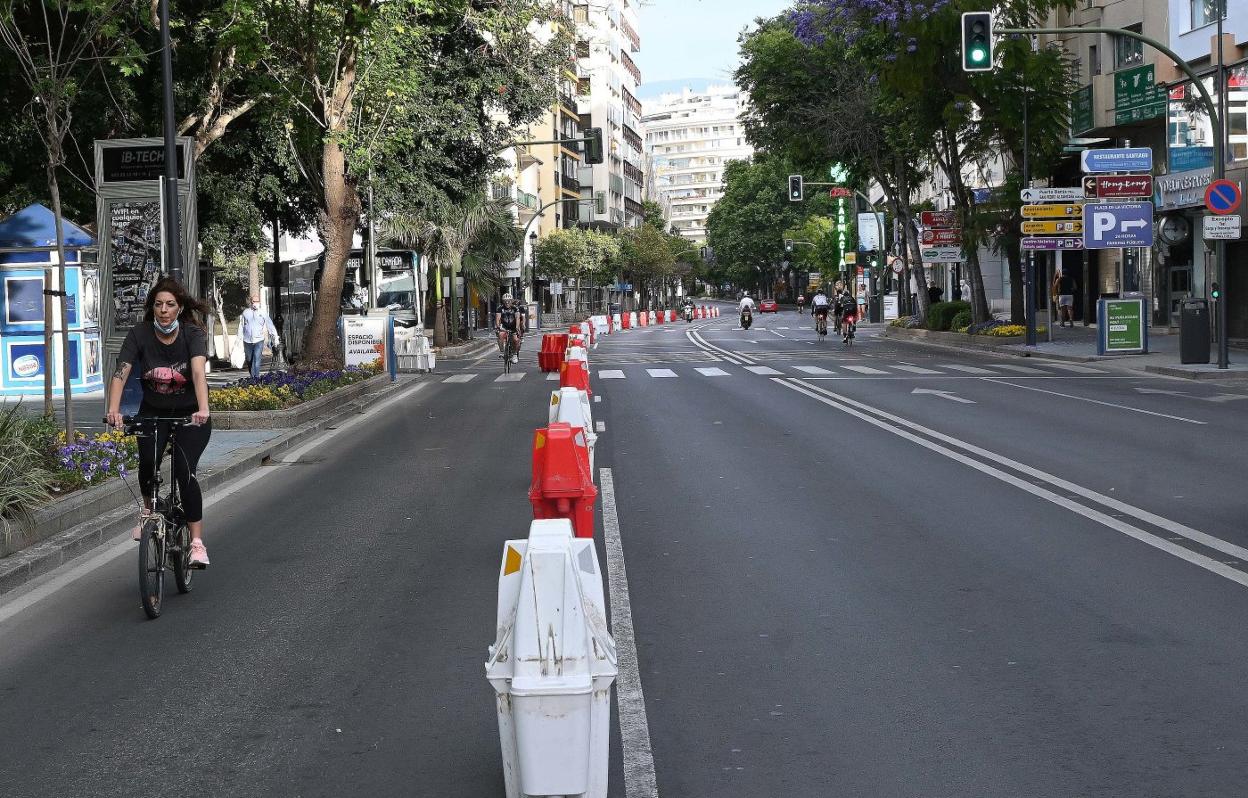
x: 801, y: 301
x: 509, y: 320
x: 819, y: 307
x: 846, y: 313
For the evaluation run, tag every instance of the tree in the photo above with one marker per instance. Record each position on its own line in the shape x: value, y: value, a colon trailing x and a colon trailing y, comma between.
x: 562, y: 254
x: 646, y: 257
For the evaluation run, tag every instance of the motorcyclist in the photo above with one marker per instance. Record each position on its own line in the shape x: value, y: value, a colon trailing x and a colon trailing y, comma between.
x: 686, y: 309
x: 746, y: 305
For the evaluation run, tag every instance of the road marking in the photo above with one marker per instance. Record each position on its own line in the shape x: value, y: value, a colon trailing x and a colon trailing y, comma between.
x: 1219, y: 398
x: 600, y: 426
x: 639, y: 779
x: 712, y: 372
x: 597, y: 398
x: 811, y: 370
x: 610, y: 374
x: 661, y: 372
x: 65, y: 576
x: 864, y: 369
x: 1066, y: 486
x: 915, y: 369
x: 552, y: 376
x: 861, y: 411
x: 1074, y: 369
x: 1095, y: 401
x: 696, y: 338
x: 766, y: 371
x: 967, y: 369
x: 512, y: 376
x: 778, y: 335
x: 943, y: 395
x: 461, y: 378
x: 1018, y: 369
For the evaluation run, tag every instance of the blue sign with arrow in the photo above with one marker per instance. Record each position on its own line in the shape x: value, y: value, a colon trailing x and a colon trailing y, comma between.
x: 1113, y: 225
x: 1123, y: 159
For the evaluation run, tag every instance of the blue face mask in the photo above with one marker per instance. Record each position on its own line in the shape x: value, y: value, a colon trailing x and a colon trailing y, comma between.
x: 163, y: 330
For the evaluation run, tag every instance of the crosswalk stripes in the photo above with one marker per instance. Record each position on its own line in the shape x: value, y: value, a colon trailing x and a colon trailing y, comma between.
x: 766, y: 371
x: 1074, y: 369
x: 460, y: 378
x: 968, y: 369
x: 1019, y: 369
x: 554, y: 375
x: 815, y: 370
x: 661, y: 372
x: 864, y: 369
x: 915, y: 369
x: 712, y: 371
x: 512, y: 376
x: 610, y: 374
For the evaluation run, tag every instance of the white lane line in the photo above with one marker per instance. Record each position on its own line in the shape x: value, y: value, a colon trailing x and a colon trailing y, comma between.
x: 1074, y: 369
x: 864, y: 369
x: 777, y: 334
x: 512, y: 376
x: 60, y: 579
x: 1095, y: 401
x: 552, y: 376
x: 812, y: 370
x: 696, y: 338
x: 967, y: 369
x: 766, y: 371
x: 661, y: 372
x: 610, y: 374
x: 597, y: 398
x: 461, y: 378
x: 712, y: 372
x: 914, y: 369
x: 639, y: 780
x: 600, y: 426
x: 1200, y: 560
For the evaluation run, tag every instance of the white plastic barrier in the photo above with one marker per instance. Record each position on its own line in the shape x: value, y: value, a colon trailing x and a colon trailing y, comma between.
x: 577, y: 353
x: 552, y: 665
x: 573, y: 406
x: 632, y: 319
x: 412, y: 350
x: 600, y: 327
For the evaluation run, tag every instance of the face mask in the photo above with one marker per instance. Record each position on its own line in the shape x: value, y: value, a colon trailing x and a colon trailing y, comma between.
x: 170, y: 330
x: 255, y: 305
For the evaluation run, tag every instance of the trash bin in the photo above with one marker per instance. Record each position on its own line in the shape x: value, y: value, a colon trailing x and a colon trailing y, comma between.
x: 1194, y: 331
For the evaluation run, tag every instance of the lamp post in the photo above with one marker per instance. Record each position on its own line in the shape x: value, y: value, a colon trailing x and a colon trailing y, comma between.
x: 173, y: 227
x: 537, y: 310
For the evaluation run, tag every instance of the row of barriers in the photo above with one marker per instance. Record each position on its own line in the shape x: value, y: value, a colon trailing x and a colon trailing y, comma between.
x: 555, y: 345
x: 553, y: 659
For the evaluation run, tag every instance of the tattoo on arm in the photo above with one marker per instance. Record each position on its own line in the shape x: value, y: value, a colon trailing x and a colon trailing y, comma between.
x: 122, y: 372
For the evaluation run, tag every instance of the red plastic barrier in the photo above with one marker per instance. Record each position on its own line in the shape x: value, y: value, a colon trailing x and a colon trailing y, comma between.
x: 551, y: 354
x: 625, y: 323
x: 562, y: 486
x: 660, y: 317
x: 575, y: 374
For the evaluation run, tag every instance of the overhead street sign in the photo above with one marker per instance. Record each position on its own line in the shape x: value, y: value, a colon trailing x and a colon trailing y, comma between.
x: 1222, y: 228
x: 1126, y: 159
x: 1052, y: 194
x: 1111, y: 225
x: 1118, y: 186
x: 1053, y: 210
x: 1051, y: 228
x: 1052, y: 242
x: 1223, y: 197
x: 942, y: 254
x: 840, y: 192
x: 942, y: 236
x: 939, y: 219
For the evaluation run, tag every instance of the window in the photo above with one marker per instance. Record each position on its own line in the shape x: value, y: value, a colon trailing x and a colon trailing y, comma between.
x: 1128, y: 52
x: 1094, y: 60
x: 1203, y: 12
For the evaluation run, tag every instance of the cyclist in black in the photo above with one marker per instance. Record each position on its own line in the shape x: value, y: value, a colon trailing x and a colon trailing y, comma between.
x: 509, y: 320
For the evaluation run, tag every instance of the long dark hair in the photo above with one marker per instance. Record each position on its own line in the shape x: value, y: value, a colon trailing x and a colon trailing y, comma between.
x: 191, y: 307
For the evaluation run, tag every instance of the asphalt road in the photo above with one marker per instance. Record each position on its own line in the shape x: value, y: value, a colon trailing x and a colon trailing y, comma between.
x: 878, y: 571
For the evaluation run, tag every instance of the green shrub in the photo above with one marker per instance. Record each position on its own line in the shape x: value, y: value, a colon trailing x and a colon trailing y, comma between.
x: 940, y: 316
x: 961, y: 321
x: 25, y: 479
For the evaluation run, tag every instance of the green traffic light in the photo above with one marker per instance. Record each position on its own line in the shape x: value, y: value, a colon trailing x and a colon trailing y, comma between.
x: 978, y: 55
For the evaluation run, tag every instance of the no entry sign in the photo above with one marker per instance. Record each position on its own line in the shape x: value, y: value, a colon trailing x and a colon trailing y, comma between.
x: 1223, y: 197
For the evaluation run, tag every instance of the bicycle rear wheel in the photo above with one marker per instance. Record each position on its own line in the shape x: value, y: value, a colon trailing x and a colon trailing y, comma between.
x: 152, y: 568
x: 182, y: 570
x: 507, y: 356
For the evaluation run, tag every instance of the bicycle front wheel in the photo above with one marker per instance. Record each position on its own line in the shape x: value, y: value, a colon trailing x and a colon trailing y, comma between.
x: 152, y: 568
x: 182, y: 570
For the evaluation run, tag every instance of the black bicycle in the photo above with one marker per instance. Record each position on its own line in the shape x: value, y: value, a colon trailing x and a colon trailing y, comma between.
x: 165, y: 538
x: 509, y: 350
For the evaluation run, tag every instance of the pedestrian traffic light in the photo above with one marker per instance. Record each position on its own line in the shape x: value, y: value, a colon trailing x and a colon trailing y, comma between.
x: 977, y: 41
x: 796, y: 192
x: 788, y: 245
x: 1217, y: 291
x: 593, y: 145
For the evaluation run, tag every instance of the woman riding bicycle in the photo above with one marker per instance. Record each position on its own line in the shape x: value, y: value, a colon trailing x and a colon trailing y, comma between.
x: 170, y: 351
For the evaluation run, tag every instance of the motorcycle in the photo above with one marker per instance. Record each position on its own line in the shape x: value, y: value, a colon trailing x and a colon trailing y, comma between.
x: 688, y: 313
x: 747, y: 317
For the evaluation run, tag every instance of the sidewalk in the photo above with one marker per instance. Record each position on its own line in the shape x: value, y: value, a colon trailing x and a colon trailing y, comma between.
x: 1078, y: 344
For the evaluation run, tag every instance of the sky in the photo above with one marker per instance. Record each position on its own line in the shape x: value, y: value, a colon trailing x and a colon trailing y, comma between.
x: 694, y: 40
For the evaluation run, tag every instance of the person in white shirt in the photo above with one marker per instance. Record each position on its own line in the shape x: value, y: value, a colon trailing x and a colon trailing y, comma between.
x: 746, y: 302
x: 257, y: 329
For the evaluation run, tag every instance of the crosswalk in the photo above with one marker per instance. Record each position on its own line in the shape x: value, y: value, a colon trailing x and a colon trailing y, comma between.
x: 825, y: 370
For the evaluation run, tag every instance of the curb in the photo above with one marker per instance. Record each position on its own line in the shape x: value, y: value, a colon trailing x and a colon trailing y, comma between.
x: 1211, y: 373
x: 109, y: 511
x: 460, y: 351
x: 924, y: 337
x: 300, y: 413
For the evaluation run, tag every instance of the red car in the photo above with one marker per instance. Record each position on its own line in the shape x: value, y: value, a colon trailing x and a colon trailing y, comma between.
x: 768, y: 306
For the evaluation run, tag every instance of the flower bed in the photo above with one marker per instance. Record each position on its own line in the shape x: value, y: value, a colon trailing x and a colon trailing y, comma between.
x: 278, y: 390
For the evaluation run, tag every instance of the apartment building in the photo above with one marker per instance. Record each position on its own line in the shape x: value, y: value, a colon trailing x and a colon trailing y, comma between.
x: 689, y: 138
x: 607, y: 40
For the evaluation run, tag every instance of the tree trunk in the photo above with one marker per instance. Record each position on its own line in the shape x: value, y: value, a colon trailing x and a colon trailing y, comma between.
x: 218, y: 304
x: 1018, y: 313
x: 253, y: 276
x: 952, y: 166
x: 54, y: 188
x: 335, y: 225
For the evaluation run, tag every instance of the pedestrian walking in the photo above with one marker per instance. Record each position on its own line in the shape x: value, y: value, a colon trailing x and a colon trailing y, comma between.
x: 257, y: 330
x: 1064, y: 287
x: 966, y: 290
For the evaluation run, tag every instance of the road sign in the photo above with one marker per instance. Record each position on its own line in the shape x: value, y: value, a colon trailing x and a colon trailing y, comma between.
x: 1072, y: 227
x: 1126, y: 159
x: 896, y: 264
x: 1052, y: 243
x: 1051, y: 194
x: 1118, y: 186
x: 939, y: 219
x: 1111, y: 225
x: 840, y: 192
x: 1222, y: 228
x: 942, y: 255
x: 942, y: 236
x: 1052, y: 210
x: 1137, y: 96
x: 1223, y: 197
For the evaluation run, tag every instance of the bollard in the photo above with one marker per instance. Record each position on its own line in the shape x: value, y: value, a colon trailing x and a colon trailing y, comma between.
x: 575, y: 374
x: 572, y: 407
x: 562, y: 486
x: 552, y: 665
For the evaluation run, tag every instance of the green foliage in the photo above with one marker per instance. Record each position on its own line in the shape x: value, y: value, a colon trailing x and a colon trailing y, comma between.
x: 25, y: 480
x: 941, y: 315
x: 645, y: 253
x: 961, y: 321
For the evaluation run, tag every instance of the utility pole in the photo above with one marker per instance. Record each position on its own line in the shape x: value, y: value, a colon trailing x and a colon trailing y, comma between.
x: 173, y: 226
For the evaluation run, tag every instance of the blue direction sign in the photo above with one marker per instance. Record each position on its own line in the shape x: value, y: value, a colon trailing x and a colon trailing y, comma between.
x: 1126, y: 159
x: 1112, y: 225
x: 1052, y: 242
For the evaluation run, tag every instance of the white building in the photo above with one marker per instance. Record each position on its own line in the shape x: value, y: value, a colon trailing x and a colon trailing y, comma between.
x: 689, y: 137
x: 606, y: 37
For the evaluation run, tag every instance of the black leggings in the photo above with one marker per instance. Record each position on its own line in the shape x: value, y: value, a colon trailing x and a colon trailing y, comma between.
x: 188, y: 444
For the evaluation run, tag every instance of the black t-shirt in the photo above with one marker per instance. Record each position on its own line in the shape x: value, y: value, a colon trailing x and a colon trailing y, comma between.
x: 1066, y: 284
x: 165, y: 369
x: 508, y: 317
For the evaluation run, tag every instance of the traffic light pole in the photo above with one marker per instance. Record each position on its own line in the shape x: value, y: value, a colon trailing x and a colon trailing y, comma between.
x: 1219, y: 139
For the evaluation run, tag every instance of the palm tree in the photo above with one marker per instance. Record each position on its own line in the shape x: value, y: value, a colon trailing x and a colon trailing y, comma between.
x: 475, y: 238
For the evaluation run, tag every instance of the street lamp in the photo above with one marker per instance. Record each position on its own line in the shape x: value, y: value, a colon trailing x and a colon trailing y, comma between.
x: 533, y: 259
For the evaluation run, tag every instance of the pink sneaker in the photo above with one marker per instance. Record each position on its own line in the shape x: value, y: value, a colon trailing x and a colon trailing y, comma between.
x: 199, y: 554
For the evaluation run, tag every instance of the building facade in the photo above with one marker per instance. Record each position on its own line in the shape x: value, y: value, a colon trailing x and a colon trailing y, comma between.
x: 689, y: 138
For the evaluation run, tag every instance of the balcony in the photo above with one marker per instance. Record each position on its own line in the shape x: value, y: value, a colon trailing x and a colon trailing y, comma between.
x: 567, y: 101
x: 631, y: 102
x: 633, y: 38
x: 633, y: 206
x: 527, y: 201
x: 567, y: 183
x: 630, y: 66
x: 633, y: 139
x: 633, y: 173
